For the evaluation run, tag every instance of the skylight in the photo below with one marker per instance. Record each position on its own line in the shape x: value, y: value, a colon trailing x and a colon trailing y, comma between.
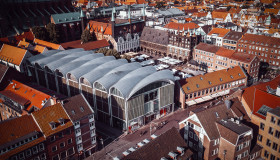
x: 73, y: 112
x: 263, y: 110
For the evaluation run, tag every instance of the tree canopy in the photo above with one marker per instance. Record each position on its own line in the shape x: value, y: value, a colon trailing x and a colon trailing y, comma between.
x: 86, y: 36
x: 53, y: 31
x: 40, y: 33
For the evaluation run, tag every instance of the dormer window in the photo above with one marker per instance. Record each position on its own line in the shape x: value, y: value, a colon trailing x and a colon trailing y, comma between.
x: 231, y: 76
x: 73, y: 112
x: 82, y: 109
x: 61, y: 121
x: 52, y: 124
x: 197, y: 85
x: 172, y: 155
x: 221, y: 79
x: 209, y: 82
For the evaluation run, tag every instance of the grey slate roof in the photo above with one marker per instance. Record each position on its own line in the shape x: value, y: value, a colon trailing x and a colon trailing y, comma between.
x: 66, y: 17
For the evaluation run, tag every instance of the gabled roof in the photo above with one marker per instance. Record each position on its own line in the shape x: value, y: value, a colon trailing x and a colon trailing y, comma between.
x: 40, y: 49
x: 209, y: 116
x: 181, y: 26
x: 218, y: 14
x: 256, y: 96
x: 12, y: 54
x: 13, y: 129
x: 232, y: 35
x: 50, y: 114
x: 160, y: 147
x: 230, y: 130
x: 77, y: 107
x: 225, y: 52
x: 24, y: 94
x: 95, y: 26
x: 92, y: 45
x: 201, y: 82
x: 220, y: 31
x: 47, y: 44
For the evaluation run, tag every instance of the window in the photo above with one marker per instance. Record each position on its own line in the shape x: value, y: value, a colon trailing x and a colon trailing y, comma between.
x: 77, y: 123
x: 54, y: 148
x: 272, y: 120
x: 191, y: 134
x: 61, y: 145
x: 78, y: 131
x: 266, y: 154
x: 21, y: 155
x: 278, y: 123
x: 274, y: 146
x: 35, y: 150
x: 70, y: 151
x: 28, y: 153
x: 41, y: 147
x: 270, y: 131
x: 60, y: 135
x: 216, y: 141
x: 261, y: 126
x: 239, y: 147
x: 56, y: 157
x: 52, y: 138
x: 215, y: 151
x: 195, y: 137
x: 272, y: 157
x: 268, y: 142
x: 63, y: 155
x: 190, y: 144
x: 69, y: 141
x: 277, y: 134
x: 43, y: 156
x: 260, y: 137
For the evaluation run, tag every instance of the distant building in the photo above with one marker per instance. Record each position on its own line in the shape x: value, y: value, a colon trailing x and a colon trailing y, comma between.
x: 49, y: 45
x: 266, y: 48
x: 261, y: 102
x: 89, y: 46
x: 201, y: 88
x: 216, y: 132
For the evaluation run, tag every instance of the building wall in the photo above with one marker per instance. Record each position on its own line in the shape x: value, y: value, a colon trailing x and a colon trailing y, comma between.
x: 6, y: 112
x: 62, y: 137
x: 269, y: 54
x: 36, y: 151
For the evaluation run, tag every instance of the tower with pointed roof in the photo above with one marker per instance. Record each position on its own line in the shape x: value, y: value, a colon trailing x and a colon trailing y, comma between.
x: 113, y: 23
x: 83, y: 19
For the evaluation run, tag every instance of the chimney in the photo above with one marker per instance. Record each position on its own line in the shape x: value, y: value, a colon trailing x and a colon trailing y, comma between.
x: 278, y: 90
x: 181, y: 150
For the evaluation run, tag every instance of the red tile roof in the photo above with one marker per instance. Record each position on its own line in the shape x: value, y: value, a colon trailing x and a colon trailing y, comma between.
x: 257, y: 96
x: 201, y: 82
x: 219, y: 14
x: 24, y: 94
x: 16, y: 128
x: 207, y: 47
x: 225, y: 52
x: 180, y: 26
x: 12, y: 54
x: 49, y: 114
x: 86, y: 46
x: 220, y: 31
x: 250, y: 38
x: 47, y: 44
x: 247, y: 58
x: 95, y: 26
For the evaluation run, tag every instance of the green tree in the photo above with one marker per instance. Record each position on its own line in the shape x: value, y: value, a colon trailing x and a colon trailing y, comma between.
x: 102, y: 50
x: 40, y: 33
x: 113, y: 52
x: 86, y: 36
x: 53, y: 32
x: 159, y: 5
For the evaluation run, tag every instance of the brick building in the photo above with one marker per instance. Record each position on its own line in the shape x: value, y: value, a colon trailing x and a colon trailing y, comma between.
x: 213, y: 58
x: 202, y: 88
x: 154, y: 41
x: 216, y: 132
x: 230, y: 40
x: 21, y: 138
x: 82, y: 116
x: 267, y: 49
x: 262, y: 105
x: 18, y: 99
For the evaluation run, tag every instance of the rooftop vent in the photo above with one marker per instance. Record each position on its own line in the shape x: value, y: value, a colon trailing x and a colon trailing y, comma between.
x: 180, y: 150
x: 228, y: 104
x: 52, y: 124
x: 61, y: 121
x: 172, y: 155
